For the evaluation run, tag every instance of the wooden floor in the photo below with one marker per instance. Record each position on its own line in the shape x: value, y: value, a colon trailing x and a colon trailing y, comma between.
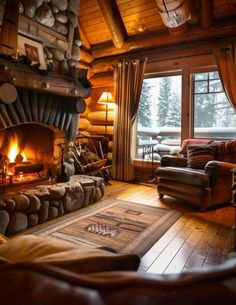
x: 197, y: 239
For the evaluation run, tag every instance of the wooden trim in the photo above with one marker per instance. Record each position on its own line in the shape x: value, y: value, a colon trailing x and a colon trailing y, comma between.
x: 186, y: 130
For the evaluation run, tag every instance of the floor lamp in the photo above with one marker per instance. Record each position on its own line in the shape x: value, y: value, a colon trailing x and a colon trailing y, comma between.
x: 106, y: 99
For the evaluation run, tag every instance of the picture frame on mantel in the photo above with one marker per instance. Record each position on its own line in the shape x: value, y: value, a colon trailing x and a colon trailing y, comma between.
x: 33, y: 50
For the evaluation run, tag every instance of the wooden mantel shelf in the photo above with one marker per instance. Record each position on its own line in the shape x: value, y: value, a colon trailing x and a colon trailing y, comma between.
x: 22, y: 76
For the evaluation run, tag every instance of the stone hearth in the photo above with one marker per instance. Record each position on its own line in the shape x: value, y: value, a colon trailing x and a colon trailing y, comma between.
x: 30, y: 206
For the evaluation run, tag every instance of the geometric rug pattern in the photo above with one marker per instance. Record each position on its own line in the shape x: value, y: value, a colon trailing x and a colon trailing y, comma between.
x: 126, y: 227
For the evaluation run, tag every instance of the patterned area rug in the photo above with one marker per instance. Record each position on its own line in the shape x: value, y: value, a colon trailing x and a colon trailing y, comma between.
x: 123, y: 226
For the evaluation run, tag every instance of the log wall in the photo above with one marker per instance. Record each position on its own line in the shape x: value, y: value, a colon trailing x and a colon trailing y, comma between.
x: 93, y: 119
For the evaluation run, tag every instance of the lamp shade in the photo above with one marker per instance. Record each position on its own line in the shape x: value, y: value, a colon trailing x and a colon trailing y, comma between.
x: 105, y: 98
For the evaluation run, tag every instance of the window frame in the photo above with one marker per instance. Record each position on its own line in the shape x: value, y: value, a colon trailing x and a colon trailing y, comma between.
x: 192, y: 100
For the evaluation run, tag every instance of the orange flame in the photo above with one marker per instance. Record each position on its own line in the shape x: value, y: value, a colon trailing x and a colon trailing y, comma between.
x: 14, y: 149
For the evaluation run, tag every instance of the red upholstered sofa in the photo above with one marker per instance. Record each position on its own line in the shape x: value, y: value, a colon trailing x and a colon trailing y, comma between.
x: 203, y: 186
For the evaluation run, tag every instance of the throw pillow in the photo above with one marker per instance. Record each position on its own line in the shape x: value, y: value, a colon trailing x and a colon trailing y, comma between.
x: 226, y: 151
x: 199, y: 155
x: 187, y: 142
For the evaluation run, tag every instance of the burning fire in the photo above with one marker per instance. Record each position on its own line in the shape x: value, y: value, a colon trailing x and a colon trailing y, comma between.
x: 14, y: 149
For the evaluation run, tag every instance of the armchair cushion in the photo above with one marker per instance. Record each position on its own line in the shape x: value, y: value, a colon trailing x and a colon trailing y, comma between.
x: 199, y: 155
x: 196, y: 177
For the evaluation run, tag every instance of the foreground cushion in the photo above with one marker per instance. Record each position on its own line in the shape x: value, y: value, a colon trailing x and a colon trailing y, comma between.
x: 82, y: 259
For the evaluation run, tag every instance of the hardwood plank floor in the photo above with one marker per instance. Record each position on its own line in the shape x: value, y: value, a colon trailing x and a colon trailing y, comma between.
x: 197, y: 239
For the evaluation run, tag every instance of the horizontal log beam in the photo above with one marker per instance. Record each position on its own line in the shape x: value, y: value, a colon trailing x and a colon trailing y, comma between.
x: 85, y: 56
x: 23, y: 77
x: 84, y: 65
x: 102, y: 80
x: 163, y: 38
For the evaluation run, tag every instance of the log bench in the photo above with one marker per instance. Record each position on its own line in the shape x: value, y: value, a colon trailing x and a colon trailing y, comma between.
x: 30, y: 206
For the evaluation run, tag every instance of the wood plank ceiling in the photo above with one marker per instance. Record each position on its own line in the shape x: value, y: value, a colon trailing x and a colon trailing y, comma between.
x: 139, y: 24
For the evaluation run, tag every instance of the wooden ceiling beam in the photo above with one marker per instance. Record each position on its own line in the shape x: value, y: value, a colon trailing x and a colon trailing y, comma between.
x: 162, y: 38
x: 114, y: 22
x: 160, y: 54
x: 84, y: 38
x: 206, y: 13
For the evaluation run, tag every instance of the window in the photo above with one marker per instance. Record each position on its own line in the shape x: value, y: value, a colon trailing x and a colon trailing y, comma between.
x: 213, y: 115
x: 159, y: 113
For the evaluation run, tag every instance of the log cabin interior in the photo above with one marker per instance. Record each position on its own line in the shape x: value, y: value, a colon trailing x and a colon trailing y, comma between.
x: 114, y: 102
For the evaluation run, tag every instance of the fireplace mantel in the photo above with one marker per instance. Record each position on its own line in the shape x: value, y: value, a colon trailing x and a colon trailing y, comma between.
x: 23, y: 76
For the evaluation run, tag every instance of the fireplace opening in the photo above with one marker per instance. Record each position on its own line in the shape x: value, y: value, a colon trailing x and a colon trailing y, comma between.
x: 26, y: 153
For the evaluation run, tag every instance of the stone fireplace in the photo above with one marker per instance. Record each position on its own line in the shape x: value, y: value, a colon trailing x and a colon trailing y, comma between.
x: 33, y: 131
x: 38, y: 118
x: 40, y: 103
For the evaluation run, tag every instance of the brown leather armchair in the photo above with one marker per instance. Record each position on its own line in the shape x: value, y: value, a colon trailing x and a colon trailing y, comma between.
x: 201, y: 187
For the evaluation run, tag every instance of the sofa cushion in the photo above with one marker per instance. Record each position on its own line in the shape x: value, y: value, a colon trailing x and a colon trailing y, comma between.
x: 187, y: 142
x: 81, y: 259
x: 199, y: 155
x: 226, y: 151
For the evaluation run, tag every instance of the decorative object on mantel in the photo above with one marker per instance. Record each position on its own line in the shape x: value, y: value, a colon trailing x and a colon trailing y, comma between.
x: 32, y: 50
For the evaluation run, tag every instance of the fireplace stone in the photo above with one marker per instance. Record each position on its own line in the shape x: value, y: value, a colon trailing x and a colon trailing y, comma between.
x: 30, y: 206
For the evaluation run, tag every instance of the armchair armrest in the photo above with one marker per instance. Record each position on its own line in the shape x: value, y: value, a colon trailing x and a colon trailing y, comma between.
x: 214, y: 168
x: 173, y: 161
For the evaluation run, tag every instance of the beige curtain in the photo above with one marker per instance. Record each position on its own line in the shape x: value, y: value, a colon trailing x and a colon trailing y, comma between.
x: 129, y: 78
x: 226, y: 63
